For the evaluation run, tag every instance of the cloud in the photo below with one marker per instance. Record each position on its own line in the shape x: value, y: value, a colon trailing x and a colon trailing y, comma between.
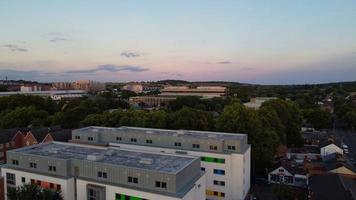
x: 14, y: 48
x: 109, y: 68
x: 224, y: 62
x: 21, y: 74
x: 173, y: 74
x: 130, y: 54
x: 59, y: 39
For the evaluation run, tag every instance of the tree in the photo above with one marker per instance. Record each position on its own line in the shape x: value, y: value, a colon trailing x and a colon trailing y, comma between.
x: 290, y: 115
x: 186, y: 101
x: 3, y: 88
x: 33, y: 192
x: 283, y: 192
x: 22, y: 117
x: 191, y: 119
x: 350, y: 118
x: 157, y: 119
x: 320, y: 119
x: 237, y: 119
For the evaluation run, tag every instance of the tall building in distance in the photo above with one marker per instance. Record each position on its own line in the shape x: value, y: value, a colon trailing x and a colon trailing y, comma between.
x: 224, y: 157
x: 100, y: 173
x: 88, y: 85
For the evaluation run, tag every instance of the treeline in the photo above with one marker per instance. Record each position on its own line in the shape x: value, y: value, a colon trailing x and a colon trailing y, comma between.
x: 24, y: 110
x: 278, y: 121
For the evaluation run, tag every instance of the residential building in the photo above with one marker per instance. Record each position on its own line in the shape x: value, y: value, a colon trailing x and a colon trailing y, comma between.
x: 225, y: 157
x: 14, y: 138
x: 100, y: 173
x: 256, y: 102
x: 289, y: 175
x: 63, y: 85
x: 88, y: 85
x: 329, y: 150
x: 201, y: 91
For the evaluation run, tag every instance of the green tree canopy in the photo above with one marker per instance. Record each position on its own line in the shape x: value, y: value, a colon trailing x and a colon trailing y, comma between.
x: 22, y: 117
x: 190, y: 118
x: 290, y: 116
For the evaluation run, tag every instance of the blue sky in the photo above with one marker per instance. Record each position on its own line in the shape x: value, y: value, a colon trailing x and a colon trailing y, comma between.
x: 269, y: 42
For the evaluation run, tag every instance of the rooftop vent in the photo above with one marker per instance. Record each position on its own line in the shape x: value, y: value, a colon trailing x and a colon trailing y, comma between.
x: 110, y: 152
x: 146, y: 161
x: 149, y: 132
x: 95, y: 157
x: 53, y: 150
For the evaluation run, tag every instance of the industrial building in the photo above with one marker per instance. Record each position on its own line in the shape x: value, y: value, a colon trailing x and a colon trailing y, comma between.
x: 105, y: 173
x: 224, y: 157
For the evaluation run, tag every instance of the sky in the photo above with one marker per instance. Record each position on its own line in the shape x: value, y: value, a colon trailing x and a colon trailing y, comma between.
x: 264, y: 42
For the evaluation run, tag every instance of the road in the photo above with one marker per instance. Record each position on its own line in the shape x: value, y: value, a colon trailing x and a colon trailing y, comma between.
x: 348, y: 138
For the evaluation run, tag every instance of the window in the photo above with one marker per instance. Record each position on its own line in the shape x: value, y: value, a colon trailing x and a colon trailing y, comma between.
x: 149, y: 141
x: 214, y: 160
x: 196, y: 146
x: 33, y: 165
x: 23, y: 179
x: 131, y: 179
x: 123, y: 196
x: 202, y: 169
x: 102, y: 175
x: 38, y: 183
x: 133, y: 140
x: 230, y: 147
x: 52, y: 168
x: 15, y: 162
x: 10, y: 179
x: 51, y: 185
x: 160, y: 184
x: 77, y: 137
x: 213, y: 147
x: 177, y: 144
x: 90, y: 138
x: 164, y: 185
x: 222, y: 194
x: 95, y: 193
x: 221, y: 183
x: 118, y: 138
x: 219, y: 171
x: 58, y: 187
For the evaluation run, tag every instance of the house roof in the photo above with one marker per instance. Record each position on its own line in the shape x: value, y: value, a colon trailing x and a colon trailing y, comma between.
x: 57, y: 133
x: 329, y: 187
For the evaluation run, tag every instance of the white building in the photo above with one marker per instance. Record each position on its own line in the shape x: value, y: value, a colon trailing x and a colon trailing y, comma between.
x: 133, y: 87
x: 256, y: 102
x: 330, y: 150
x: 225, y: 157
x: 96, y: 173
x: 289, y: 176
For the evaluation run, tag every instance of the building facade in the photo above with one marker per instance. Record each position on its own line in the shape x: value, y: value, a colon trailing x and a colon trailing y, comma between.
x: 97, y: 173
x: 201, y: 91
x: 225, y: 157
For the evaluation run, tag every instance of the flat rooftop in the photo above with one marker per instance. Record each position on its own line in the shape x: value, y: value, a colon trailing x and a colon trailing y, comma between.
x: 166, y: 132
x: 133, y: 159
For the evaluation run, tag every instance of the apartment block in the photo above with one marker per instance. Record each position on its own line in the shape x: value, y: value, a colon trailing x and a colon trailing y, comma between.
x: 224, y: 157
x: 100, y: 173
